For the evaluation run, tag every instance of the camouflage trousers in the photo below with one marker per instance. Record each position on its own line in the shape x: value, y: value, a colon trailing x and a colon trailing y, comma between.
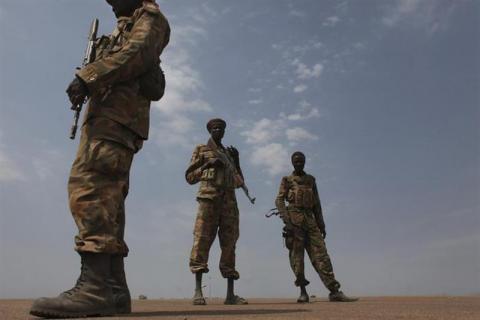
x: 218, y: 215
x: 305, y: 235
x: 97, y: 188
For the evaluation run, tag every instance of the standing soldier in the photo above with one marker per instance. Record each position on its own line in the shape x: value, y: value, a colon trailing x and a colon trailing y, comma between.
x: 218, y: 170
x: 305, y: 229
x: 120, y: 84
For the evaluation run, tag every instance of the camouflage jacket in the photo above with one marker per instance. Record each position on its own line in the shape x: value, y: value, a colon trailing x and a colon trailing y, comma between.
x: 300, y: 191
x: 113, y: 79
x: 214, y: 182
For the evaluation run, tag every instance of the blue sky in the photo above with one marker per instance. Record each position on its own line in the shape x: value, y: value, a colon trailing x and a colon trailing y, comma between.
x: 382, y: 97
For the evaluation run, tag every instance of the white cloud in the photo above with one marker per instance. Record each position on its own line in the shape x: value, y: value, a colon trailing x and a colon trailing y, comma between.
x: 255, y: 90
x: 183, y: 94
x: 299, y: 134
x: 304, y: 72
x: 269, y: 138
x: 255, y: 101
x: 174, y: 131
x: 305, y: 112
x: 300, y: 88
x: 264, y: 131
x: 331, y: 21
x: 273, y: 157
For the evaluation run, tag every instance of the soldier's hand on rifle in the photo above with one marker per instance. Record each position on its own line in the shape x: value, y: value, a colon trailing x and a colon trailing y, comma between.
x: 213, y: 163
x: 233, y: 152
x: 77, y: 91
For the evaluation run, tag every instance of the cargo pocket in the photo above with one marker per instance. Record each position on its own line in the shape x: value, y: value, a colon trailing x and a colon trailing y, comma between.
x: 110, y: 158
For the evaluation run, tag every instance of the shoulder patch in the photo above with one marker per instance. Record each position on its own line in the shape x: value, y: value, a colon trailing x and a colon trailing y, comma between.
x: 151, y: 7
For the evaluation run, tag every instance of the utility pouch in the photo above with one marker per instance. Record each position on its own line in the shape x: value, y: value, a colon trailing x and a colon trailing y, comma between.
x: 152, y: 83
x: 303, y: 196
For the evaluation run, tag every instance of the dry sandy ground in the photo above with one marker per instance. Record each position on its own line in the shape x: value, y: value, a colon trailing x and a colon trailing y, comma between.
x: 410, y: 308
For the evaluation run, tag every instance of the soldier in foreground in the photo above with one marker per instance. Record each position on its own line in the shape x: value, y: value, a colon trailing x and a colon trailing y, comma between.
x: 305, y: 229
x: 218, y: 170
x: 120, y: 84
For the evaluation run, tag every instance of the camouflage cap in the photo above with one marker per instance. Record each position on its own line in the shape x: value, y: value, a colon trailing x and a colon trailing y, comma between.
x: 216, y: 121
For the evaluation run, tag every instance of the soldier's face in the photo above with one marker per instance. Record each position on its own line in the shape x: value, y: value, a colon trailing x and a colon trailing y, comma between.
x: 217, y: 132
x: 298, y: 163
x: 123, y: 8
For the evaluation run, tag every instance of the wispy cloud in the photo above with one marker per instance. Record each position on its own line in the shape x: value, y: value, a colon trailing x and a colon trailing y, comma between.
x: 183, y: 96
x: 47, y: 163
x: 300, y: 88
x: 297, y: 13
x: 430, y: 15
x: 304, y: 72
x: 304, y: 112
x: 255, y: 101
x: 264, y: 131
x: 270, y: 139
x: 9, y: 171
x: 299, y: 134
x: 331, y: 21
x: 273, y: 157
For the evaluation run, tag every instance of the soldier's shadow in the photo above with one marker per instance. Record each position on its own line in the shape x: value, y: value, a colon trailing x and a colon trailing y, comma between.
x: 209, y: 313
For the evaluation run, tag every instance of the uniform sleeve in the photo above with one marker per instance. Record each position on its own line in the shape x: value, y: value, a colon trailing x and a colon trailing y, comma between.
x: 282, y: 195
x: 194, y: 170
x: 137, y: 56
x: 318, y: 208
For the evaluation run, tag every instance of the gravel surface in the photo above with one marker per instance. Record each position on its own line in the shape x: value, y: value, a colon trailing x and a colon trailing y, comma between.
x: 410, y: 308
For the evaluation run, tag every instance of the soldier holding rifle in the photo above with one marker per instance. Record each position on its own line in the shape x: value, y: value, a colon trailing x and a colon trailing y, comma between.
x: 217, y: 168
x: 120, y: 82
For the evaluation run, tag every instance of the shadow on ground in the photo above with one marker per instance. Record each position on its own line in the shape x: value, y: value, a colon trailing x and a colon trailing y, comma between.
x: 209, y: 313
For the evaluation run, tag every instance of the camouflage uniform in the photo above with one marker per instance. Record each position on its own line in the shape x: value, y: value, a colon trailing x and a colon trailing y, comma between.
x: 116, y: 123
x: 305, y: 226
x: 217, y: 209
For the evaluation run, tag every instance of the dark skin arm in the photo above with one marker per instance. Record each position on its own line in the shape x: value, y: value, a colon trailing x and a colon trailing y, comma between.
x: 318, y: 212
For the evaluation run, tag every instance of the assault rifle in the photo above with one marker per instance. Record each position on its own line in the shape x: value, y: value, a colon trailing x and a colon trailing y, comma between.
x: 88, y: 58
x: 243, y: 186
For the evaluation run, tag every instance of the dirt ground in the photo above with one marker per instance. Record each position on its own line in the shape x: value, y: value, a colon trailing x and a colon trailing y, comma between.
x: 410, y: 308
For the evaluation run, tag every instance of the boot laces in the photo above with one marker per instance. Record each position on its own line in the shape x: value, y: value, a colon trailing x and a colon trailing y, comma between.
x: 80, y: 280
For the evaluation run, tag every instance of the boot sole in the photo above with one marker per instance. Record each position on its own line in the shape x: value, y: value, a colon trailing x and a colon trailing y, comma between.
x: 44, y: 313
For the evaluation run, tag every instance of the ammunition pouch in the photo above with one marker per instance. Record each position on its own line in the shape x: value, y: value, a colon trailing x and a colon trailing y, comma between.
x: 301, y: 195
x: 208, y: 174
x: 152, y: 83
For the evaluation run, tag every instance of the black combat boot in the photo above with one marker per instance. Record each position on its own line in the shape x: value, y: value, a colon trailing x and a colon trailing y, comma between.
x: 339, y: 296
x: 118, y: 282
x: 91, y: 296
x: 303, y: 298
